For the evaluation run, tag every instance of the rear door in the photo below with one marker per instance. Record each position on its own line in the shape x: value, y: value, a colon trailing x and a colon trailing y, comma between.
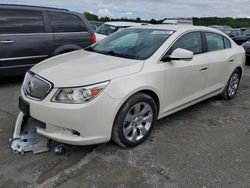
x: 23, y: 40
x: 70, y: 31
x: 221, y: 60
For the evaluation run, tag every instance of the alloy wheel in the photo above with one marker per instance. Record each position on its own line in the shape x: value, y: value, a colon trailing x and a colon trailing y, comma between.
x: 233, y: 84
x: 138, y: 121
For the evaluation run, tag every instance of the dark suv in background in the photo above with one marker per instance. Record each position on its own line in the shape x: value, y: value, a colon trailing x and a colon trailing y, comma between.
x: 30, y: 34
x: 246, y: 46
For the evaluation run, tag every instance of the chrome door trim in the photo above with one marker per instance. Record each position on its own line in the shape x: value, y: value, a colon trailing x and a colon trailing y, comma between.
x: 14, y: 34
x: 22, y: 58
x: 6, y: 42
x: 18, y: 66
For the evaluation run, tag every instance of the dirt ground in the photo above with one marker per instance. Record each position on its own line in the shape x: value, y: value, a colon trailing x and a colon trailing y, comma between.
x: 204, y: 146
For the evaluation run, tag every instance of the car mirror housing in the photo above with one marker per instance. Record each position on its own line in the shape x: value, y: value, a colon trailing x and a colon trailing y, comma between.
x: 179, y: 54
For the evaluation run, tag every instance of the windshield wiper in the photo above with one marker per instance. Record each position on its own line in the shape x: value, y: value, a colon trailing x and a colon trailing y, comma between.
x: 112, y: 53
x: 90, y: 49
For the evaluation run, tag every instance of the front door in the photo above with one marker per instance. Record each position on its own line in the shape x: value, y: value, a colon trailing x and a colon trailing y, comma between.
x: 186, y: 80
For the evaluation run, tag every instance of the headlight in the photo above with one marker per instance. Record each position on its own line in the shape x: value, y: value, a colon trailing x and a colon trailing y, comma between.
x: 79, y: 95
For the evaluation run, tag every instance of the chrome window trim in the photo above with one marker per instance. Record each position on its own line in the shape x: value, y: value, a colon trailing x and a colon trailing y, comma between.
x: 159, y: 60
x: 22, y: 58
x: 13, y: 34
x: 18, y: 66
x: 169, y: 47
x: 80, y: 32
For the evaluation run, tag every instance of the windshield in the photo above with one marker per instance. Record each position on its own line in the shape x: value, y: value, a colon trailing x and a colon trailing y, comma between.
x: 247, y: 32
x: 106, y: 29
x: 133, y: 43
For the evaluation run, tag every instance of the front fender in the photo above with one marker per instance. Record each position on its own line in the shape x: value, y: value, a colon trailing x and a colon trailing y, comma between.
x: 123, y: 88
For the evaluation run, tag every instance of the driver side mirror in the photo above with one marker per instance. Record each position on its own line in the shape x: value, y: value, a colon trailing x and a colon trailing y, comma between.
x: 179, y: 54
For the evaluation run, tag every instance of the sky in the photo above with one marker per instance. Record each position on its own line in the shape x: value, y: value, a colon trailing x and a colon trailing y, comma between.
x: 147, y: 9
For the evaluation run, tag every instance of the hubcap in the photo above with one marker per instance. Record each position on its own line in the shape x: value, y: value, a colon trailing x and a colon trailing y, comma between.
x: 138, y: 121
x: 233, y: 84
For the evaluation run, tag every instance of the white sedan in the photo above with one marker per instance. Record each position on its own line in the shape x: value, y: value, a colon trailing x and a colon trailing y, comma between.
x: 118, y: 88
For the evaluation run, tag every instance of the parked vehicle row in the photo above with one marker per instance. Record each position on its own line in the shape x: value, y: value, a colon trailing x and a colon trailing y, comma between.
x: 246, y: 46
x: 247, y: 32
x: 239, y: 36
x: 95, y: 24
x: 31, y: 34
x: 118, y: 88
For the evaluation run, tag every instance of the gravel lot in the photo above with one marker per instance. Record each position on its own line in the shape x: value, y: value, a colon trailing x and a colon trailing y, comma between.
x: 206, y: 145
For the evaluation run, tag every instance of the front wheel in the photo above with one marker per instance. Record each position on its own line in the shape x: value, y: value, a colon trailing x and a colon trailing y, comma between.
x: 135, y: 120
x: 232, y: 86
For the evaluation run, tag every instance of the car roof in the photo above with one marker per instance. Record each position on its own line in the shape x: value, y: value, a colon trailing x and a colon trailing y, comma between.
x: 180, y: 27
x: 123, y: 24
x: 30, y: 7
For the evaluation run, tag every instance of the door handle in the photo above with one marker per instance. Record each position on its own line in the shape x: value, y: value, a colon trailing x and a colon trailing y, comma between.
x: 203, y: 68
x: 4, y: 42
x: 231, y: 60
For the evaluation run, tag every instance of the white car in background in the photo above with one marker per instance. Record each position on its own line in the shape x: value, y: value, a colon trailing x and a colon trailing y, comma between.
x: 119, y: 87
x: 110, y: 27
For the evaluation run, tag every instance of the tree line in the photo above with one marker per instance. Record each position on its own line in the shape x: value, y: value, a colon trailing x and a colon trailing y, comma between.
x: 203, y: 21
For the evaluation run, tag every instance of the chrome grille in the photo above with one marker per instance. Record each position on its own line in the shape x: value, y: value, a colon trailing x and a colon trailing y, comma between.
x: 35, y: 87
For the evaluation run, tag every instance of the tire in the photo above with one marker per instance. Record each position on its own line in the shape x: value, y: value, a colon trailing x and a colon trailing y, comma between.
x: 232, y: 87
x: 248, y: 60
x: 135, y: 120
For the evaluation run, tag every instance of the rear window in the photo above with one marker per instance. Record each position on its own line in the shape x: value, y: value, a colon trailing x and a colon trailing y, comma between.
x: 63, y: 22
x: 214, y: 42
x: 20, y: 21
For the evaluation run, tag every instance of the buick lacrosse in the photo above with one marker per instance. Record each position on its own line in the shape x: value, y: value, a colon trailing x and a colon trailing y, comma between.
x: 119, y: 87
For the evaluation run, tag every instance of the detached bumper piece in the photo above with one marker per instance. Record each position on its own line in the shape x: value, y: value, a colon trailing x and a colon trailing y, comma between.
x: 26, y: 138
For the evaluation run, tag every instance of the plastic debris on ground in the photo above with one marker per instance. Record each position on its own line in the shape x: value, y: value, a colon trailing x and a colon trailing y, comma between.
x: 29, y: 140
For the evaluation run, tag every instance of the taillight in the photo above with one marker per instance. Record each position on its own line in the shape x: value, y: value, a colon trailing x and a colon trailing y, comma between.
x: 93, y: 38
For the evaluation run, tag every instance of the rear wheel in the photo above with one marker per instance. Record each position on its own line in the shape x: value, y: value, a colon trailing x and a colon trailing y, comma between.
x: 232, y: 86
x: 134, y: 121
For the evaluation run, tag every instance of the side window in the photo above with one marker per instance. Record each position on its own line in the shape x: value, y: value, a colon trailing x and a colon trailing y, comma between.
x: 190, y: 41
x: 63, y: 22
x: 214, y: 42
x: 227, y: 43
x: 20, y: 21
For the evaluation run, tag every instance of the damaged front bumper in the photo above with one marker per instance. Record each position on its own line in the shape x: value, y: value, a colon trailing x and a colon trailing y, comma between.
x: 26, y: 138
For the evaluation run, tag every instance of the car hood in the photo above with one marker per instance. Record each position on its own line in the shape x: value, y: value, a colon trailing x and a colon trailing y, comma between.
x: 81, y: 68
